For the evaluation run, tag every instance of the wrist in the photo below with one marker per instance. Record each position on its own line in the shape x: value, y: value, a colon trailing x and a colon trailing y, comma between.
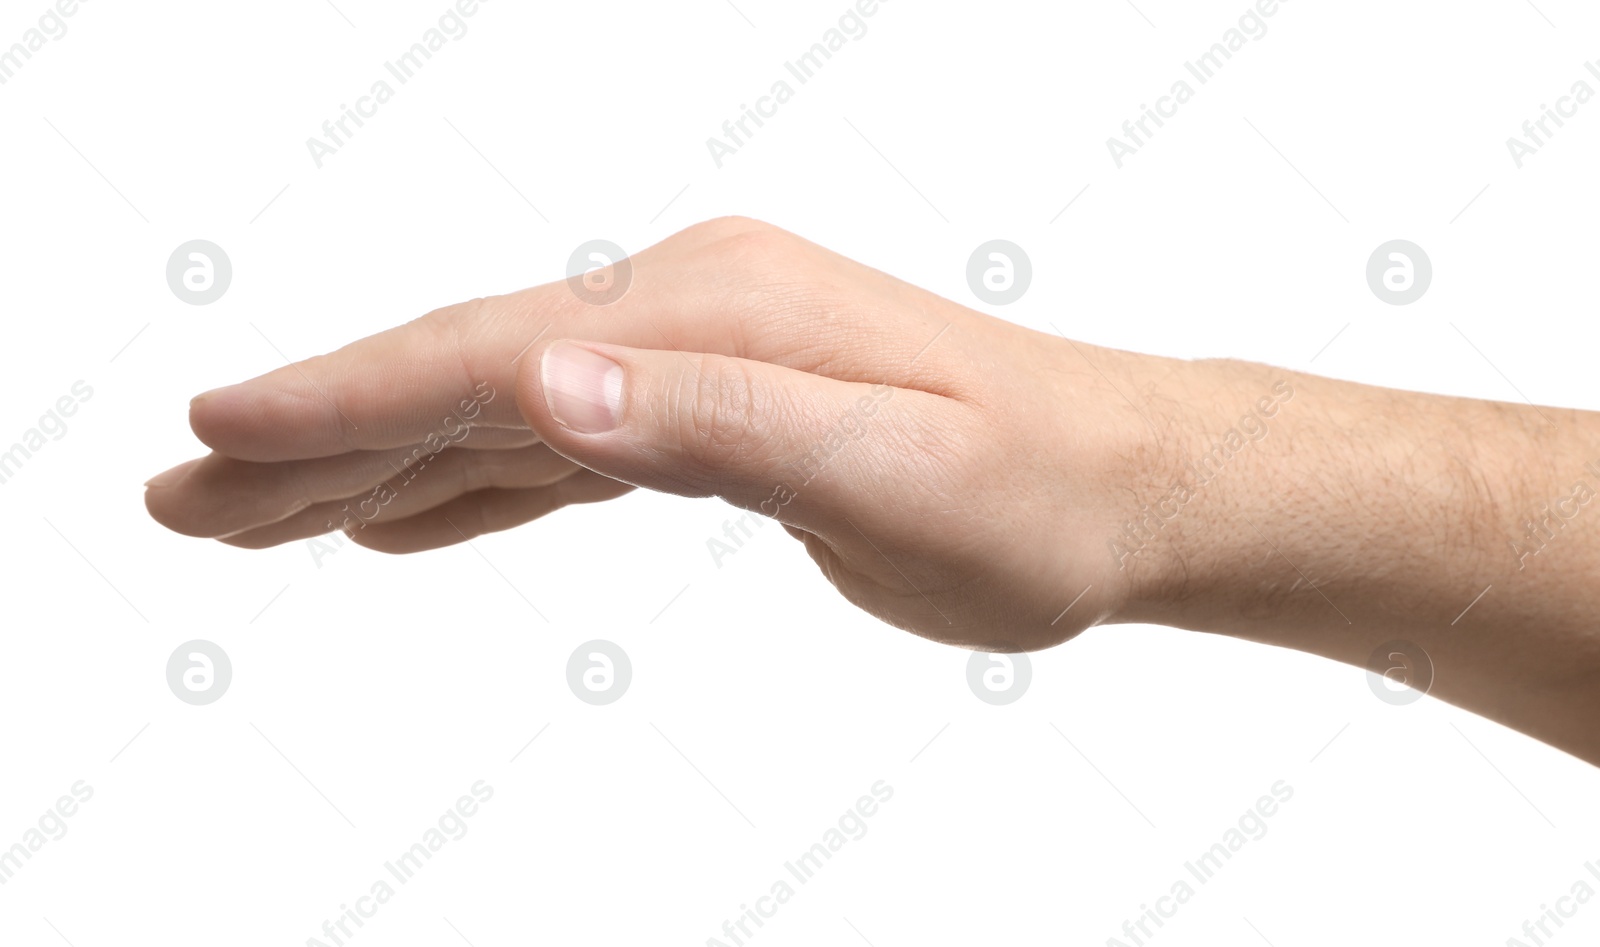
x: 1200, y: 512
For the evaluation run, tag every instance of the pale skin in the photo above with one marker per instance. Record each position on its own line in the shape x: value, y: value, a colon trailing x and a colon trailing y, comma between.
x: 985, y: 478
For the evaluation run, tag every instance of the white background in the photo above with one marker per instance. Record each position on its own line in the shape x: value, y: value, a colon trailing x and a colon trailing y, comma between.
x: 762, y: 705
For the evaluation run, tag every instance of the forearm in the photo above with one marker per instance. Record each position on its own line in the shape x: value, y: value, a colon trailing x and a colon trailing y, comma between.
x: 1365, y: 515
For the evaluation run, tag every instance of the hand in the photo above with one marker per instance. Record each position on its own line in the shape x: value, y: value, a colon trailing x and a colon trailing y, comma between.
x: 953, y: 474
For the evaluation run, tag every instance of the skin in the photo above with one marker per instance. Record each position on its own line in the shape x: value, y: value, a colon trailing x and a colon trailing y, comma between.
x: 974, y: 477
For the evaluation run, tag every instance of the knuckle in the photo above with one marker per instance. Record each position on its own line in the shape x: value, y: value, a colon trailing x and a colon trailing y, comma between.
x: 765, y: 271
x: 346, y: 404
x: 471, y: 474
x: 450, y: 321
x: 721, y: 228
x: 719, y: 407
x: 753, y: 267
x: 758, y: 246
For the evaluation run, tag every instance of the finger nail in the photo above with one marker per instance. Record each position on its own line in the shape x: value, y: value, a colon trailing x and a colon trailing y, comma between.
x: 583, y: 390
x: 208, y: 395
x: 168, y: 478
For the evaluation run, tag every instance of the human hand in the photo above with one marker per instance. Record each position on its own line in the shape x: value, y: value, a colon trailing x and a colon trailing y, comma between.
x: 951, y: 473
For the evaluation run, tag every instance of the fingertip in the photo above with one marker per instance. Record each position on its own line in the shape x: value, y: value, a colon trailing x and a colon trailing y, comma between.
x: 554, y: 379
x: 168, y: 505
x: 213, y: 414
x: 174, y: 512
x: 263, y: 423
x: 212, y: 394
x: 581, y: 388
x: 174, y: 476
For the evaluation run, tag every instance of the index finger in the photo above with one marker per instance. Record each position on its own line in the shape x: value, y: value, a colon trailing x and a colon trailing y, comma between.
x: 709, y: 289
x: 434, y: 377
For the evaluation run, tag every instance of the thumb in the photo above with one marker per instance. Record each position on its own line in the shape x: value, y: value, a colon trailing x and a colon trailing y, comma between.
x: 805, y: 449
